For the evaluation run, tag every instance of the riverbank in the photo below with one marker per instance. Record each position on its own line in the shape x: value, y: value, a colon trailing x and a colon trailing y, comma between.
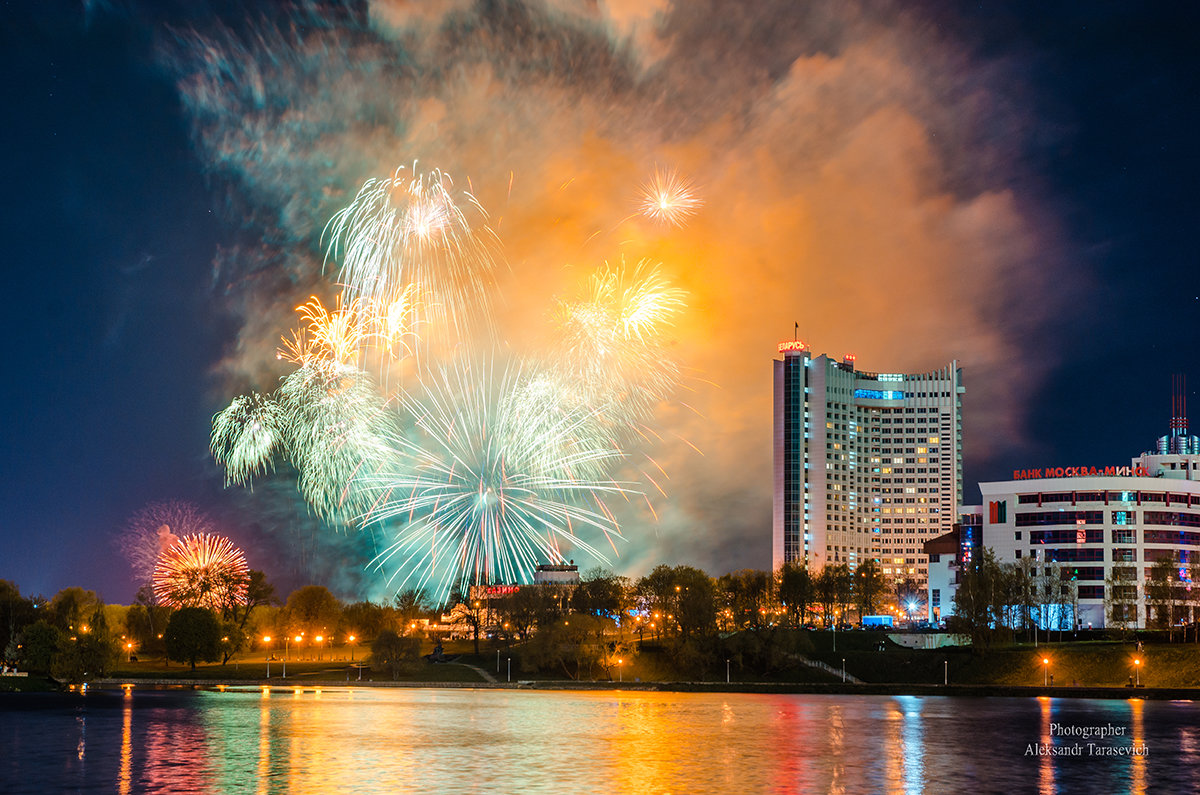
x: 970, y: 690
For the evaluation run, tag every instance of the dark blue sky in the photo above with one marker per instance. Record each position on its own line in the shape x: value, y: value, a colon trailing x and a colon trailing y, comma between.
x: 113, y: 328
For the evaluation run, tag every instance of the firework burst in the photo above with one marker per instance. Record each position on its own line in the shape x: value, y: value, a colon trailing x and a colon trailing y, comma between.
x: 336, y: 429
x: 414, y: 229
x: 246, y: 436
x: 668, y: 198
x: 153, y: 529
x: 483, y: 492
x: 335, y: 337
x: 609, y: 342
x: 202, y: 570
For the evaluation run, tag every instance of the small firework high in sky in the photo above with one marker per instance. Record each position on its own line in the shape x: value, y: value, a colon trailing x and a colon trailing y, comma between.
x: 669, y: 198
x: 203, y: 570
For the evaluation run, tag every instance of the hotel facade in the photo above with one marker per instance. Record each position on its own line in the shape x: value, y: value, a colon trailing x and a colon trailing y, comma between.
x: 866, y: 464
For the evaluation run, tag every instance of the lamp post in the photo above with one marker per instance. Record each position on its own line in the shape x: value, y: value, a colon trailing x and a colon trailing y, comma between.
x: 726, y: 670
x: 843, y: 670
x: 510, y: 669
x: 946, y: 672
x: 1045, y: 671
x: 129, y: 649
x: 267, y: 647
x: 351, y: 648
x: 620, y: 673
x: 320, y: 645
x: 1137, y: 679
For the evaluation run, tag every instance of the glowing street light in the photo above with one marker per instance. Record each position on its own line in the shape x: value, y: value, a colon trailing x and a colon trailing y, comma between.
x: 1046, y: 671
x: 267, y: 649
x: 1137, y: 679
x: 620, y: 673
x: 351, y: 648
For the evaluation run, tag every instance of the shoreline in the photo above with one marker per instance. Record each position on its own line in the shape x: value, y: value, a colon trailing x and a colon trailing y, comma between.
x: 766, y: 688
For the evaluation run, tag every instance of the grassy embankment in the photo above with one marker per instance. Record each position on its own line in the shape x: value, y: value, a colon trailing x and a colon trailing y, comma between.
x: 1086, y: 664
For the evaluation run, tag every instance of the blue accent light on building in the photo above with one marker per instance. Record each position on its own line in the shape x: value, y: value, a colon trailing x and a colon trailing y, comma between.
x: 878, y: 394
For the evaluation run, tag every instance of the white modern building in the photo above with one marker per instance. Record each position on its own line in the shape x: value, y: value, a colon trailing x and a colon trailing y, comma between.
x: 1094, y: 520
x: 867, y: 465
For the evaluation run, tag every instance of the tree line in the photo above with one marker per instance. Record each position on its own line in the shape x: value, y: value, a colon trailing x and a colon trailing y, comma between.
x: 581, y: 630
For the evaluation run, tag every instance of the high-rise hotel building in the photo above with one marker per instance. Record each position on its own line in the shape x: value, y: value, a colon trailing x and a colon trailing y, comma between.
x: 867, y: 465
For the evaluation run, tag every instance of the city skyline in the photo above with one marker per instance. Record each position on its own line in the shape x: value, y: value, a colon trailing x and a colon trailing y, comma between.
x: 1007, y: 186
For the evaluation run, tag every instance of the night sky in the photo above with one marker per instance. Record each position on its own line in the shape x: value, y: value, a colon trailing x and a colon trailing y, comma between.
x: 1028, y: 170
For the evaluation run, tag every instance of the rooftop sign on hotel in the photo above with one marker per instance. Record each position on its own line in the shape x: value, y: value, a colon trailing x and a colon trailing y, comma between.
x: 792, y: 345
x: 1080, y: 472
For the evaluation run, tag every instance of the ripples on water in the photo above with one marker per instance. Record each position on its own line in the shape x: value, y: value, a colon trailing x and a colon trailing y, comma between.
x: 448, y: 741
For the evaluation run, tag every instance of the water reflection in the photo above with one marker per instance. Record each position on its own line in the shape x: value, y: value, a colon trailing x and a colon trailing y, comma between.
x: 297, y: 740
x: 125, y: 778
x: 1046, y: 740
x: 1137, y: 709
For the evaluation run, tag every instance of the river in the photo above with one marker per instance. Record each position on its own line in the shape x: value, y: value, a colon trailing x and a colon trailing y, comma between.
x: 506, y: 741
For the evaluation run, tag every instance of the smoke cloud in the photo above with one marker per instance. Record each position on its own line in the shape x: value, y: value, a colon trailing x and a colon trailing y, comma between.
x: 856, y: 169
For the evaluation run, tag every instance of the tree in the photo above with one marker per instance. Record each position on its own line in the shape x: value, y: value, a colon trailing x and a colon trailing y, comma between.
x: 90, y: 652
x: 410, y: 605
x: 870, y: 585
x: 364, y: 619
x: 192, y: 634
x: 601, y: 593
x: 16, y: 613
x: 70, y: 608
x: 1165, y: 593
x: 980, y: 604
x: 259, y: 593
x: 312, y: 609
x: 37, y: 645
x: 1025, y: 586
x: 747, y: 596
x: 843, y: 589
x: 696, y: 602
x: 796, y: 591
x: 527, y: 607
x: 391, y: 652
x: 826, y: 592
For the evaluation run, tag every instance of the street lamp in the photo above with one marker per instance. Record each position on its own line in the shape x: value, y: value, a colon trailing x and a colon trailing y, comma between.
x: 351, y: 648
x: 1045, y: 671
x: 267, y: 648
x: 319, y: 640
x: 1137, y: 679
x: 129, y: 648
x: 620, y: 673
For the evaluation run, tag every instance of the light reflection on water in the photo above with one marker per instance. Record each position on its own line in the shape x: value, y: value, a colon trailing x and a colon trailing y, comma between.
x: 402, y: 740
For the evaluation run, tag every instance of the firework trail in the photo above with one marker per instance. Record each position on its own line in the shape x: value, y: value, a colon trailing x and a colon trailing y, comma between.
x: 153, y: 529
x: 246, y: 435
x: 668, y: 198
x: 609, y: 343
x: 202, y: 570
x: 483, y: 492
x: 413, y: 230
